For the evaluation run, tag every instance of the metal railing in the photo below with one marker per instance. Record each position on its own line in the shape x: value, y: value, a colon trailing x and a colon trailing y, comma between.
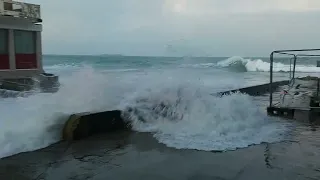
x: 20, y: 10
x: 295, y: 54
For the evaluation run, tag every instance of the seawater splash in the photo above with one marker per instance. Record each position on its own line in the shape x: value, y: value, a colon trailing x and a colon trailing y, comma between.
x: 174, y: 103
x: 36, y: 121
x: 242, y: 65
x: 185, y: 117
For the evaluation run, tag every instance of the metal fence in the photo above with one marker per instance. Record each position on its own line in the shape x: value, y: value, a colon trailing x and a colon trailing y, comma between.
x: 294, y: 56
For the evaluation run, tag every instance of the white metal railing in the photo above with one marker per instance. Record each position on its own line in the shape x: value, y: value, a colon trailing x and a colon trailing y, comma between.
x: 19, y: 9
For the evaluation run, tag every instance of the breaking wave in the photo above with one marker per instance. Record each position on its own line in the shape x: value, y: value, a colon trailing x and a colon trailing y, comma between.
x: 242, y: 65
x: 173, y: 104
x: 36, y: 121
x: 186, y: 117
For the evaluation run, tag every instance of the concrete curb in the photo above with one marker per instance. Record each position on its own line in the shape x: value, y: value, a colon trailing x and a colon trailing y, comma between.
x: 257, y: 90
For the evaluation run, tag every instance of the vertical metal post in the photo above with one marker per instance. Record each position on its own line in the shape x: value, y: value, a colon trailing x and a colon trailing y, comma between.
x: 271, y: 73
x: 290, y: 69
x: 294, y: 65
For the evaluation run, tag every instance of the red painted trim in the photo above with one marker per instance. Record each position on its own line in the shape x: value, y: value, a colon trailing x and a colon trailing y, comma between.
x: 26, y: 61
x: 4, y: 61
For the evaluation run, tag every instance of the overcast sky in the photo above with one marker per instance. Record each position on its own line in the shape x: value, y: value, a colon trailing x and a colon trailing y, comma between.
x: 179, y: 27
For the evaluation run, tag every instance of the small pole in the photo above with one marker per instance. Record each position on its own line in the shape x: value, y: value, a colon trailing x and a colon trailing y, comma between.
x: 290, y: 68
x: 294, y: 65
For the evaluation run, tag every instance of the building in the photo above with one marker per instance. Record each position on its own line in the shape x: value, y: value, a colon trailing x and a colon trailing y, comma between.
x: 21, y: 47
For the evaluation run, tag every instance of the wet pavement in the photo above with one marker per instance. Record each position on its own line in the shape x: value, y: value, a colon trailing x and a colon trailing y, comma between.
x: 130, y: 155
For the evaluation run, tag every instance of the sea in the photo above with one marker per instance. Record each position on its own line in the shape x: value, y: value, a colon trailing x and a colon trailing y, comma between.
x: 174, y: 95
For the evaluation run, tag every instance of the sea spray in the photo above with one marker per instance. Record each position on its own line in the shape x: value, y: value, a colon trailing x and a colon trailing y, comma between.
x: 186, y: 117
x: 247, y: 65
x: 175, y: 104
x: 36, y: 121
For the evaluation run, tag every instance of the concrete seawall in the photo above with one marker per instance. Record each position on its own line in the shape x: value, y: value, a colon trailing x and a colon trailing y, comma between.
x: 258, y: 90
x: 83, y: 125
x: 46, y: 83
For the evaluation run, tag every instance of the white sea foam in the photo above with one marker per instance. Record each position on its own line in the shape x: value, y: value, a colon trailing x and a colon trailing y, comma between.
x: 201, y: 65
x: 190, y: 117
x: 186, y: 117
x: 258, y: 65
x: 64, y: 66
x: 36, y: 121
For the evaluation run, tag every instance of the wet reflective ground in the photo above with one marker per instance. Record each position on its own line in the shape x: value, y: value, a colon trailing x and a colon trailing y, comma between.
x: 129, y: 155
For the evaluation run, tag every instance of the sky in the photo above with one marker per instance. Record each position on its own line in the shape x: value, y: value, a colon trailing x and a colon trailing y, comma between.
x: 179, y: 27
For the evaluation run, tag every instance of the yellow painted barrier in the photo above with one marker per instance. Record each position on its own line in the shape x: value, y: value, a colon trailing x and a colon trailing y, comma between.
x: 83, y: 125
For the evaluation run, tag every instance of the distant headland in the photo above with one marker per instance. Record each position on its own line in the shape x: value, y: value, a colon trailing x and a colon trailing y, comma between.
x: 108, y: 55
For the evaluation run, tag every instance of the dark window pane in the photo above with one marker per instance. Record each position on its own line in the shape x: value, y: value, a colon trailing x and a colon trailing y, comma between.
x: 3, y: 41
x: 24, y: 42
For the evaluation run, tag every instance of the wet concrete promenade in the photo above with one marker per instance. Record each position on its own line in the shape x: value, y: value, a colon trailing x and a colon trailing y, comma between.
x: 130, y: 155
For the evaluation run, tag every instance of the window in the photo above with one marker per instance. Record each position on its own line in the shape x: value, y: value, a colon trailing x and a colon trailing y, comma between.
x: 25, y: 49
x: 24, y: 42
x: 3, y: 41
x: 4, y: 55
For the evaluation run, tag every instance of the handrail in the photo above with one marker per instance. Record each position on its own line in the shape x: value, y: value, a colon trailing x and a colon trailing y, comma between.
x: 295, y: 50
x: 295, y: 56
x: 20, y: 10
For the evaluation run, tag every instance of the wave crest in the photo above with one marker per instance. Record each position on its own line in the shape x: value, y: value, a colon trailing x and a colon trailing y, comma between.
x: 240, y: 64
x: 185, y: 117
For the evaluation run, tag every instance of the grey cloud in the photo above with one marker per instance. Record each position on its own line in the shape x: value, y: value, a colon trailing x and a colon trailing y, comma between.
x: 203, y: 27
